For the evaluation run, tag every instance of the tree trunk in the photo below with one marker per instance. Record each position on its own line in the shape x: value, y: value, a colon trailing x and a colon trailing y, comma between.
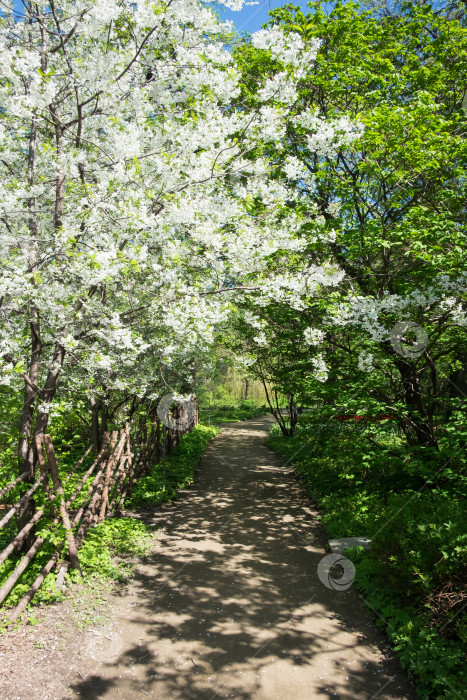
x: 458, y: 380
x: 25, y: 446
x: 158, y: 441
x: 293, y: 415
x: 95, y: 428
x: 25, y: 452
x: 50, y: 388
x: 420, y: 425
x: 25, y: 442
x: 275, y: 408
x: 104, y: 420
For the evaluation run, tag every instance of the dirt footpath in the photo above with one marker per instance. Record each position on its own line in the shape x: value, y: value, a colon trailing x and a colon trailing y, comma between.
x: 229, y: 605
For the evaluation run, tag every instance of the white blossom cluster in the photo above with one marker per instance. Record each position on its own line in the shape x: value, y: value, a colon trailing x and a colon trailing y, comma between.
x: 121, y: 233
x: 325, y: 137
x: 333, y: 208
x: 435, y: 298
x: 287, y: 48
x: 260, y: 339
x: 313, y: 336
x: 365, y: 361
x: 245, y: 361
x: 252, y: 320
x: 320, y: 369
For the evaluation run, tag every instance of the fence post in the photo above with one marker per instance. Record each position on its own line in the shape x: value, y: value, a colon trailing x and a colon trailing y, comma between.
x: 108, y: 472
x: 72, y: 550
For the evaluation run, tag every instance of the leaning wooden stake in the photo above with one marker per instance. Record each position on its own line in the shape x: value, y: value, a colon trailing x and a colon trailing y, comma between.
x: 131, y: 480
x: 123, y: 472
x: 108, y: 473
x: 24, y: 602
x: 20, y: 536
x: 86, y: 476
x: 72, y: 550
x: 22, y: 566
x: 15, y: 508
x: 11, y: 486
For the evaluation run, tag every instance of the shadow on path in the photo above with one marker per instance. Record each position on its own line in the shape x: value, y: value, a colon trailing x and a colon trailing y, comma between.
x: 230, y: 604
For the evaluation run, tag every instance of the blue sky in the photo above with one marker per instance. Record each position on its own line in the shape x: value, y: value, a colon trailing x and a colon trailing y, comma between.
x: 250, y: 18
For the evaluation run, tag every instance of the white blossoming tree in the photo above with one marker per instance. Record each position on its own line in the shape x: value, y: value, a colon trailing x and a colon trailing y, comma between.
x: 136, y: 197
x: 103, y: 129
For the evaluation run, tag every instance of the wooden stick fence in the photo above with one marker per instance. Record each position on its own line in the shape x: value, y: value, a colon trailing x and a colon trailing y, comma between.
x: 114, y: 473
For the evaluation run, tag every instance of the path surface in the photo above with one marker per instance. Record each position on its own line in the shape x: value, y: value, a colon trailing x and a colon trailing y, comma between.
x: 230, y: 604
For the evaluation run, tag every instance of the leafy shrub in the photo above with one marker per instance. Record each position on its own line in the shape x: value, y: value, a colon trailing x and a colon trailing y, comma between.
x: 366, y: 481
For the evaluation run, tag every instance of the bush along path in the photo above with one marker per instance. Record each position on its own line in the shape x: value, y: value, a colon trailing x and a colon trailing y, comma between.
x: 413, y: 577
x: 230, y: 602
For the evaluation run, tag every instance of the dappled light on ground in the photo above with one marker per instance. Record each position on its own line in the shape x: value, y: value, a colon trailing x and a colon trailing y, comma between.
x: 230, y: 604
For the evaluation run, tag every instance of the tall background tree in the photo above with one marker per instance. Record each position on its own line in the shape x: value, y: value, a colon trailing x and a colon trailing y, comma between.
x: 393, y: 205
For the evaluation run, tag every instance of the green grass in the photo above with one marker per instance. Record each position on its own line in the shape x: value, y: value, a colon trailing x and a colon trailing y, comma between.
x: 366, y: 481
x: 180, y: 466
x: 231, y: 414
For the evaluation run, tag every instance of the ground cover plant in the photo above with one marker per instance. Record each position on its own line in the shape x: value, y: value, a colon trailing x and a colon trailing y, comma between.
x: 177, y: 472
x: 365, y: 483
